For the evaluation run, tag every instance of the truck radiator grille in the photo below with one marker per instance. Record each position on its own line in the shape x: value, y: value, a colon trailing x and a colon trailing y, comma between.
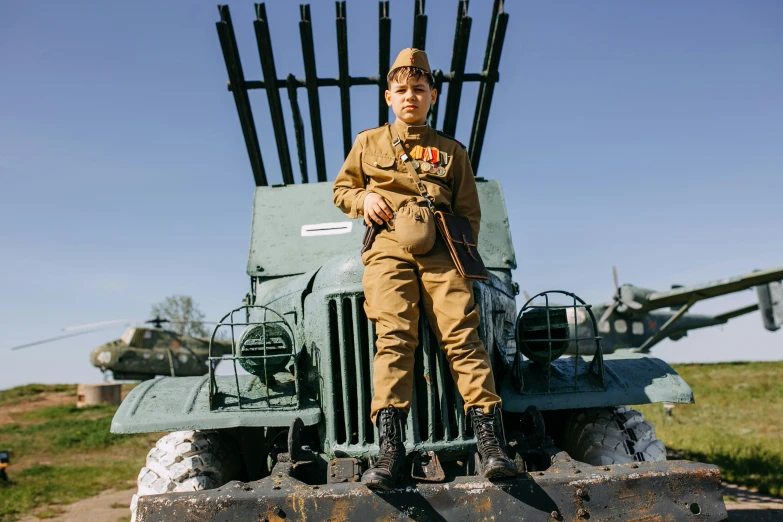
x: 437, y: 411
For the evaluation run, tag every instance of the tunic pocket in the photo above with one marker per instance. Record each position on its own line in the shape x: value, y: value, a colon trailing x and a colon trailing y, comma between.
x: 377, y: 161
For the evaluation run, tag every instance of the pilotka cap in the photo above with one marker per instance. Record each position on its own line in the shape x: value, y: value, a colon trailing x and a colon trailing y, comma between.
x: 412, y: 58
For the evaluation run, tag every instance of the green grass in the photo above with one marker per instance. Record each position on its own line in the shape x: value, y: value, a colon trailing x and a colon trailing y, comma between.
x: 32, y: 392
x: 736, y: 423
x: 61, y: 454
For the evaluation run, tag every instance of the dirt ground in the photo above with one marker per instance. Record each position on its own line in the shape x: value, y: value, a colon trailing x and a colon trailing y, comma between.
x: 43, y: 400
x: 112, y: 506
x: 109, y: 506
x: 745, y: 506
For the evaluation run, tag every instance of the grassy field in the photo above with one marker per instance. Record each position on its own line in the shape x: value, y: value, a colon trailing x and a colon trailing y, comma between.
x: 61, y: 453
x: 736, y: 423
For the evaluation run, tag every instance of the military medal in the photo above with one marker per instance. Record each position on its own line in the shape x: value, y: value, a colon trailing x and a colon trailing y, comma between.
x: 426, y: 166
x: 444, y: 157
x: 415, y: 164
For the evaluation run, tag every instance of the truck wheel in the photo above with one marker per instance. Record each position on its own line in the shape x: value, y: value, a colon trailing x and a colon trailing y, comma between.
x: 186, y: 461
x: 602, y: 436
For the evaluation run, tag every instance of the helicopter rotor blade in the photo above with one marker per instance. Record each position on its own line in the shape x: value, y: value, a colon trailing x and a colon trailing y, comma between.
x: 43, y: 341
x: 192, y: 321
x: 526, y: 295
x: 117, y: 322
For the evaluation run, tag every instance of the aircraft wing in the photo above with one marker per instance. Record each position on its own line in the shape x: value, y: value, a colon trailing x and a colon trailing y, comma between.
x: 683, y: 295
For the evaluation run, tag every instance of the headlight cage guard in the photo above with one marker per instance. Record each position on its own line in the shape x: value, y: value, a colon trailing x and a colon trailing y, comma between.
x: 268, y: 317
x: 595, y: 369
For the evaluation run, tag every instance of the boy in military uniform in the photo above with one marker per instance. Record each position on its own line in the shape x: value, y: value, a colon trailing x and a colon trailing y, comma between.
x: 408, y: 268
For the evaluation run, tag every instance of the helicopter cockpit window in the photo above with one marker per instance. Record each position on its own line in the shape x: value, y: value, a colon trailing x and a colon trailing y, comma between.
x: 135, y: 337
x: 150, y: 338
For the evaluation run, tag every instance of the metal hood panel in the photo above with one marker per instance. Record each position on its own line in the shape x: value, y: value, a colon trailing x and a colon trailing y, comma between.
x: 630, y: 379
x: 182, y: 403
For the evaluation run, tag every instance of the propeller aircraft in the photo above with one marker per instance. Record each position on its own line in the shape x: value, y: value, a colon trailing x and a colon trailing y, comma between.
x: 639, y: 318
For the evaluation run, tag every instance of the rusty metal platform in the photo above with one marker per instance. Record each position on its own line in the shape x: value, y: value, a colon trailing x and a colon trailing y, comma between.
x: 568, y: 491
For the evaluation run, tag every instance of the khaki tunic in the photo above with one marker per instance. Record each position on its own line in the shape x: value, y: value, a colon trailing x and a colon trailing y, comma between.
x: 373, y: 166
x: 397, y: 283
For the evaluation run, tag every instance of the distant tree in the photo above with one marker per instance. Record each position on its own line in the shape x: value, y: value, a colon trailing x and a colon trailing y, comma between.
x: 185, y: 316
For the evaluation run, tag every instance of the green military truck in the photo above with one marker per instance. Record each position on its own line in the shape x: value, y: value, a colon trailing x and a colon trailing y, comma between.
x: 286, y: 433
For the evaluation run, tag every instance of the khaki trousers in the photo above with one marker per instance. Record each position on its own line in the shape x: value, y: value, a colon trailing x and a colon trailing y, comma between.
x: 395, y: 285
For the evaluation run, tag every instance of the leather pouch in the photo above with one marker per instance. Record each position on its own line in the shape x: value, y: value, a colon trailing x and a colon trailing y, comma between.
x: 415, y: 229
x: 455, y: 229
x: 462, y: 247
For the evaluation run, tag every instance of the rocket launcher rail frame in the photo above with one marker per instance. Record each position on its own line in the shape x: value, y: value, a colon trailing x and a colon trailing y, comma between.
x: 239, y: 86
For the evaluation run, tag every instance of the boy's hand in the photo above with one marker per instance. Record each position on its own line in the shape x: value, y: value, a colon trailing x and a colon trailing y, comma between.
x: 376, y: 209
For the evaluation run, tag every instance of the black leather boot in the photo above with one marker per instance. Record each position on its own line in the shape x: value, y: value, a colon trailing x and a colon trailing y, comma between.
x: 491, y: 443
x: 391, y: 459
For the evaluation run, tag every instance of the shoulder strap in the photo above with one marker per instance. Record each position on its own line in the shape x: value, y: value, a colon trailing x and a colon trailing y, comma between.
x: 449, y: 136
x: 406, y: 158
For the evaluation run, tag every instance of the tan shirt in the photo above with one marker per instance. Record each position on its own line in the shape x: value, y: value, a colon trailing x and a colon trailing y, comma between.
x: 373, y: 166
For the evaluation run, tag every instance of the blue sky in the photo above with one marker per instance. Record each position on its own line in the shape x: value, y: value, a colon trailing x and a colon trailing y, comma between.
x: 644, y: 135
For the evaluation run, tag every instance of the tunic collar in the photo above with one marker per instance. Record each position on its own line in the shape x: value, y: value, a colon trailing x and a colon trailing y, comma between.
x: 411, y: 133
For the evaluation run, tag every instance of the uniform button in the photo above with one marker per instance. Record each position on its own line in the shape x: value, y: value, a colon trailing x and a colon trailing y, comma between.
x: 374, y: 163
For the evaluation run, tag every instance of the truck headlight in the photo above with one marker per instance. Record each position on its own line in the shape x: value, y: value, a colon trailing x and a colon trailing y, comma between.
x: 543, y: 333
x: 265, y: 349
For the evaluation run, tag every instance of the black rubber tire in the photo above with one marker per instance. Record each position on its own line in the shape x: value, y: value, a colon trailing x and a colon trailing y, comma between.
x: 186, y: 461
x: 603, y: 436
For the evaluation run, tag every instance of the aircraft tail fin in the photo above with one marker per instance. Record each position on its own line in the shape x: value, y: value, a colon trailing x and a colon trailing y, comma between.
x: 771, y: 304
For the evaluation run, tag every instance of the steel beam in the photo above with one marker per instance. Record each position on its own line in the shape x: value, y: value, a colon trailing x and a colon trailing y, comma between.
x: 345, y: 78
x: 299, y: 131
x: 419, y: 26
x: 264, y: 42
x: 570, y: 491
x: 236, y: 78
x: 384, y: 48
x: 497, y: 33
x: 311, y: 81
x: 458, y: 57
x: 433, y: 115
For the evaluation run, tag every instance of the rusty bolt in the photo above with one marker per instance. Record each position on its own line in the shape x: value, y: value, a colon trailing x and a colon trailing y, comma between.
x: 276, y: 511
x: 554, y: 515
x: 581, y: 493
x: 582, y: 513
